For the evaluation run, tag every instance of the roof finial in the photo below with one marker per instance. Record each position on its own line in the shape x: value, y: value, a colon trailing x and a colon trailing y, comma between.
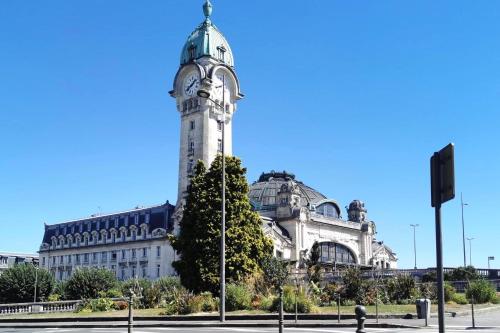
x: 207, y: 9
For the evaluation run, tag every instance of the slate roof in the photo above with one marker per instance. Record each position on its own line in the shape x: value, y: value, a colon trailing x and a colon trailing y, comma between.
x: 160, y: 217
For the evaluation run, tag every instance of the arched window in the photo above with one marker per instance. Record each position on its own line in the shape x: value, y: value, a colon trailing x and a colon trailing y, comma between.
x: 335, y: 253
x: 327, y: 209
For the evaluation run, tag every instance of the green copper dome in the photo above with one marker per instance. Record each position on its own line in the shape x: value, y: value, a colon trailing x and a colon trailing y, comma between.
x: 207, y: 40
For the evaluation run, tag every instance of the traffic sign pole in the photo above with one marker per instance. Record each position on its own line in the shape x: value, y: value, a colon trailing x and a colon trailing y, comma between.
x: 442, y: 190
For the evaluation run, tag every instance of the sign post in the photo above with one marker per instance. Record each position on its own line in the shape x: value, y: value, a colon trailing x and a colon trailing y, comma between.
x: 442, y: 190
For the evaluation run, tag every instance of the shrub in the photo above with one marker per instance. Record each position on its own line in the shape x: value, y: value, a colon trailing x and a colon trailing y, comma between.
x: 428, y: 290
x: 352, y: 288
x: 168, y: 283
x: 121, y: 305
x: 304, y: 304
x: 60, y: 289
x: 449, y: 292
x: 17, y: 284
x: 86, y: 283
x: 266, y: 303
x: 463, y: 274
x: 114, y: 293
x: 459, y: 299
x: 238, y: 297
x: 97, y: 304
x: 54, y: 298
x: 139, y: 287
x: 481, y: 291
x: 178, y: 302
x: 401, y: 288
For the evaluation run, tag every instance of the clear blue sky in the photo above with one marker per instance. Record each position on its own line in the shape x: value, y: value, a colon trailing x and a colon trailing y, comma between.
x: 351, y: 96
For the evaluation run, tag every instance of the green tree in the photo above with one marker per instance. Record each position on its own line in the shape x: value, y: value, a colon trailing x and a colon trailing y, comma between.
x: 17, y: 284
x: 199, y: 237
x: 87, y: 283
x: 275, y: 272
x: 463, y: 274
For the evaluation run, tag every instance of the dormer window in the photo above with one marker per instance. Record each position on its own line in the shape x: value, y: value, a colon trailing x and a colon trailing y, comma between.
x: 192, y: 52
x: 221, y: 50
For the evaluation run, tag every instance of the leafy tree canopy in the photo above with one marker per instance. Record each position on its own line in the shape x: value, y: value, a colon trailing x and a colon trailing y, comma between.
x: 200, y: 234
x: 86, y: 283
x: 275, y: 271
x: 17, y: 284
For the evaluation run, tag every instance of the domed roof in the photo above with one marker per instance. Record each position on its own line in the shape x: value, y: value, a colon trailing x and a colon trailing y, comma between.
x: 263, y: 193
x: 207, y: 40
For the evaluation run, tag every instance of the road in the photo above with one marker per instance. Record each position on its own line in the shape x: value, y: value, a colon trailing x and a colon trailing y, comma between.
x: 242, y: 330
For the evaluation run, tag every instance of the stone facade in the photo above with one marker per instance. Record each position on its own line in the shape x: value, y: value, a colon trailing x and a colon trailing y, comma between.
x: 306, y: 216
x: 8, y: 259
x: 131, y: 244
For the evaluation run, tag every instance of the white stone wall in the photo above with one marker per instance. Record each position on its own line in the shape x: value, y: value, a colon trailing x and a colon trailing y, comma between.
x: 155, y: 266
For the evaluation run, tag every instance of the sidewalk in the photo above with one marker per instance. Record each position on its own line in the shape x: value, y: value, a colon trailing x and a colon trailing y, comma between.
x: 487, y: 317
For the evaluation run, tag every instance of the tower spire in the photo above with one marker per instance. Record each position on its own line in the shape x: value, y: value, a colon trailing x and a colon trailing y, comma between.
x: 207, y: 9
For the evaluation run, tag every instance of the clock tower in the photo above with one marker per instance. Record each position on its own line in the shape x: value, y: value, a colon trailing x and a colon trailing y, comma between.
x: 206, y: 63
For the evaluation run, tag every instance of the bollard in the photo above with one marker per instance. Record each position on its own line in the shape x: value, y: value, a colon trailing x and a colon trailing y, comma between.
x: 360, y: 312
x: 280, y: 322
x: 130, y: 315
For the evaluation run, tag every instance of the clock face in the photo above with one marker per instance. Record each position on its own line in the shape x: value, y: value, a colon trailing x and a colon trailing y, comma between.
x: 191, y: 84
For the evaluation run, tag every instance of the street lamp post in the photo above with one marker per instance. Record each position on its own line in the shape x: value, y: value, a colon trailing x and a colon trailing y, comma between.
x: 36, y: 282
x: 462, y: 203
x: 470, y: 249
x: 489, y: 259
x: 205, y: 93
x: 415, y: 243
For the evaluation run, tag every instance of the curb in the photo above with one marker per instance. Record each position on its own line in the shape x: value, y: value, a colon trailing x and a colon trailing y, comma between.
x: 182, y: 325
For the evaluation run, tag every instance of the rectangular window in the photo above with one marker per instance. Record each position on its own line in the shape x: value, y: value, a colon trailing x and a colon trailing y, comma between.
x: 123, y: 274
x: 104, y: 256
x: 191, y: 147
x: 133, y: 272
x: 157, y: 270
x: 85, y: 257
x: 113, y: 255
x: 69, y: 259
x: 77, y: 258
x: 158, y: 251
x: 53, y: 260
x: 145, y: 251
x: 61, y: 259
x: 94, y: 256
x: 144, y: 272
x: 219, y: 145
x: 123, y: 254
x: 43, y: 259
x: 133, y: 253
x: 191, y: 125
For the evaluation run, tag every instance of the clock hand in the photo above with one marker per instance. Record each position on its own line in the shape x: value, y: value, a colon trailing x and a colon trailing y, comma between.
x: 192, y: 83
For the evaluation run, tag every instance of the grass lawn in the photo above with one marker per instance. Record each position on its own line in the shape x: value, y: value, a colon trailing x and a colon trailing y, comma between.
x: 383, y: 309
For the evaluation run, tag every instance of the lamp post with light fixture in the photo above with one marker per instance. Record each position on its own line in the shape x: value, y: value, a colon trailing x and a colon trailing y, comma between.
x: 204, y: 92
x: 414, y: 243
x: 462, y: 203
x: 489, y: 259
x: 470, y: 249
